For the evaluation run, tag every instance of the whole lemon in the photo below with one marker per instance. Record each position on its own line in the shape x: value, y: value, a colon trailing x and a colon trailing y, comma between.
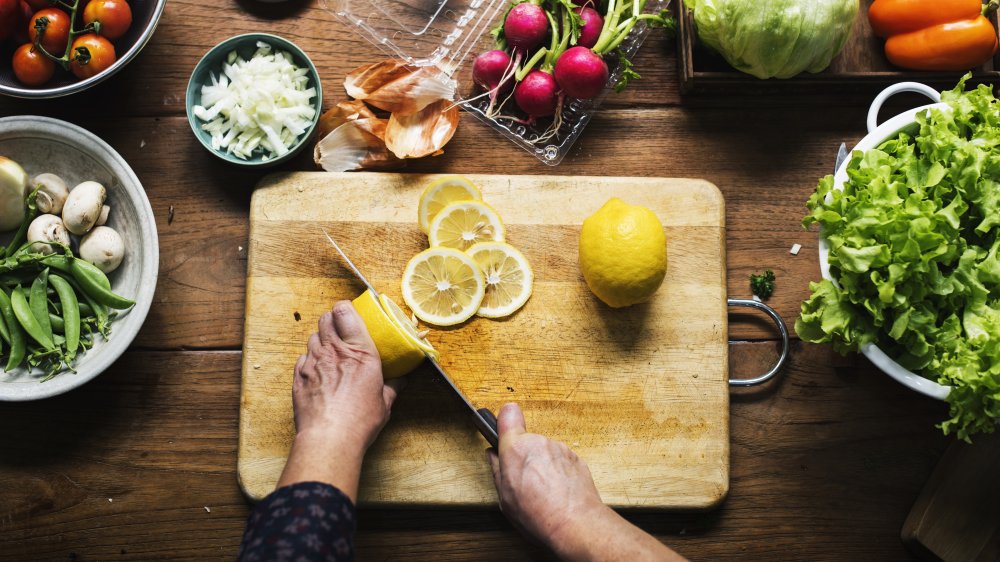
x: 623, y: 253
x: 397, y: 349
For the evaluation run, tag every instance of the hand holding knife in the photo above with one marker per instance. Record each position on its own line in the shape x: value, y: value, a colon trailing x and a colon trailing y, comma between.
x: 483, y: 418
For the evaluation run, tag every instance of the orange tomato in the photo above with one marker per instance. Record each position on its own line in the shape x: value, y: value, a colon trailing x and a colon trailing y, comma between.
x: 31, y: 67
x: 114, y: 17
x: 56, y: 34
x: 92, y: 54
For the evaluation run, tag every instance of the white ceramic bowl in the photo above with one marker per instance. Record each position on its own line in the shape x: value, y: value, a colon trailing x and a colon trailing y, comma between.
x: 877, y: 134
x: 41, y: 144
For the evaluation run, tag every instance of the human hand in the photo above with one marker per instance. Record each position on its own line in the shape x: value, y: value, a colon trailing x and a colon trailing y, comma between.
x: 340, y: 402
x: 547, y: 491
x: 544, y: 488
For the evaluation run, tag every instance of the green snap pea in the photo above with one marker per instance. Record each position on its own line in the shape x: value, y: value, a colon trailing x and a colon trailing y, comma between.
x: 71, y: 315
x: 4, y: 331
x: 17, y: 343
x: 95, y: 283
x: 92, y: 308
x: 38, y: 302
x: 57, y: 261
x: 30, y: 212
x: 22, y: 311
x: 58, y: 325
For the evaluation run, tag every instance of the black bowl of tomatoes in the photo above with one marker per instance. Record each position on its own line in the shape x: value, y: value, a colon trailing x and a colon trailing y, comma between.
x: 52, y: 48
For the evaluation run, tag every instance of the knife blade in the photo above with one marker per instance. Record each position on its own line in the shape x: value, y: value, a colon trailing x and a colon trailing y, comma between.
x: 483, y: 418
x: 841, y: 156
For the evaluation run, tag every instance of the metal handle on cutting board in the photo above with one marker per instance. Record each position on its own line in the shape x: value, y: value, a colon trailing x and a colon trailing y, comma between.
x: 782, y: 328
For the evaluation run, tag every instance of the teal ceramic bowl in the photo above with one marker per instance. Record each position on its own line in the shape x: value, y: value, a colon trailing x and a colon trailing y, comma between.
x: 245, y: 46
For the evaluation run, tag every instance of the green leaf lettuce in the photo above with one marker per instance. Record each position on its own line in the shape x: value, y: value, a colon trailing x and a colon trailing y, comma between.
x: 913, y: 240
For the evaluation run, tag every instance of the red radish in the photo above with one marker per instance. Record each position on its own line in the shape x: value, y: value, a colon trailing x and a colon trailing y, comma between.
x: 525, y: 26
x: 593, y: 23
x: 537, y: 94
x: 492, y: 70
x: 581, y: 73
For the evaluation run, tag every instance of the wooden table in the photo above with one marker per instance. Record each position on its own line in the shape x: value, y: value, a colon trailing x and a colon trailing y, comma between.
x: 141, y: 463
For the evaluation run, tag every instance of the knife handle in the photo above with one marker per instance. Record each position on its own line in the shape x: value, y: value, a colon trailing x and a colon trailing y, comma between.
x: 487, y: 424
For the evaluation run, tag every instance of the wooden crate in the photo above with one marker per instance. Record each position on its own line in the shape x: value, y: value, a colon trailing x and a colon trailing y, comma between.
x: 860, y: 67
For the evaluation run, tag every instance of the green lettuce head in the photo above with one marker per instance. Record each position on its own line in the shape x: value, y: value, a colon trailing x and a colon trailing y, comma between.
x: 775, y: 38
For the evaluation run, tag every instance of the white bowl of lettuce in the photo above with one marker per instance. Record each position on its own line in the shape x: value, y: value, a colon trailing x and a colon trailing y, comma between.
x: 909, y: 244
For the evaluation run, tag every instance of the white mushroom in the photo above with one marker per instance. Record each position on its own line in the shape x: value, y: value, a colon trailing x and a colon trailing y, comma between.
x: 103, y: 219
x: 47, y: 228
x: 83, y: 207
x: 52, y: 193
x: 103, y: 247
x: 13, y: 187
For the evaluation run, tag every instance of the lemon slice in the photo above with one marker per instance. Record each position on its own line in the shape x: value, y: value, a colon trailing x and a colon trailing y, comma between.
x: 443, y: 286
x: 508, y: 278
x: 398, y: 351
x: 464, y: 223
x: 404, y: 322
x: 440, y: 193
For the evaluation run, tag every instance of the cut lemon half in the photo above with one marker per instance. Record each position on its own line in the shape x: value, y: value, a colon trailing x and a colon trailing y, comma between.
x: 508, y: 278
x: 408, y: 325
x: 442, y: 191
x: 464, y: 223
x: 443, y: 286
x: 398, y: 351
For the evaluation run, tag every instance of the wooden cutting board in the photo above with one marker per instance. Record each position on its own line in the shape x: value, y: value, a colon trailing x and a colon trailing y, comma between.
x: 639, y: 393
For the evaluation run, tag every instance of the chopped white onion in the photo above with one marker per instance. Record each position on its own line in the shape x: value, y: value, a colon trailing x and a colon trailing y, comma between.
x: 795, y: 249
x: 262, y: 103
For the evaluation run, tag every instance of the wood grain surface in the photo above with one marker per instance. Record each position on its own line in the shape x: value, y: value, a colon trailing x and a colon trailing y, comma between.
x: 825, y: 462
x: 639, y: 393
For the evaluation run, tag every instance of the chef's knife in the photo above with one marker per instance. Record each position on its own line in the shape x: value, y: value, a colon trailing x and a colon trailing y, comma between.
x: 841, y: 156
x: 484, y: 419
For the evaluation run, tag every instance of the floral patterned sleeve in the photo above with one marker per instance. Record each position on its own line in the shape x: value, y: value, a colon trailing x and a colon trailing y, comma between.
x: 306, y: 521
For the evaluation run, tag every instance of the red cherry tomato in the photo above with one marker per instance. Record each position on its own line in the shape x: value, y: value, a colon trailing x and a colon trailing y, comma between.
x: 31, y: 67
x: 56, y: 32
x: 100, y: 51
x: 20, y: 33
x: 9, y: 17
x: 115, y: 17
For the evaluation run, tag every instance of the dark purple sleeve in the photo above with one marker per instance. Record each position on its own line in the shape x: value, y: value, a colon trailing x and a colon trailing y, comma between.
x: 304, y: 521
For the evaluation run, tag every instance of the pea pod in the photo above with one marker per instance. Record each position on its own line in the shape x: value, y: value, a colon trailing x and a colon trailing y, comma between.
x: 4, y: 331
x: 30, y: 212
x: 90, y: 307
x: 71, y: 315
x: 39, y: 303
x: 22, y: 311
x: 95, y: 283
x: 58, y: 325
x: 17, y: 343
x: 57, y: 261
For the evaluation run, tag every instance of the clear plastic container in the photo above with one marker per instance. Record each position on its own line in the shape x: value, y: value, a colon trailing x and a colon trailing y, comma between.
x: 449, y: 34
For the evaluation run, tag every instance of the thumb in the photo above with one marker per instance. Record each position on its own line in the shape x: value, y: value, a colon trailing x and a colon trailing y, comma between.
x: 510, y: 425
x: 350, y: 327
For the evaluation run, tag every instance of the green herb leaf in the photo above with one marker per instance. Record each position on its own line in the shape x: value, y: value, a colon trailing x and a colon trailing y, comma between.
x: 762, y: 285
x: 628, y: 73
